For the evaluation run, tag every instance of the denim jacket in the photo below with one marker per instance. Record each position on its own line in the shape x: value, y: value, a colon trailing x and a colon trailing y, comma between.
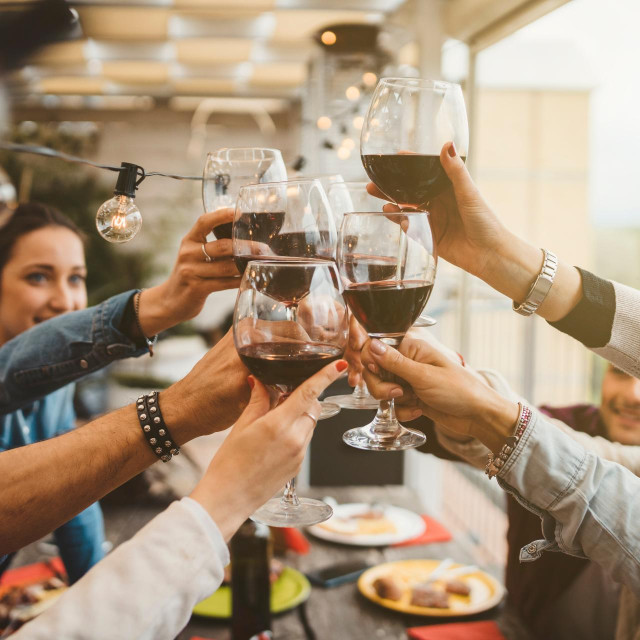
x: 63, y: 349
x: 589, y: 506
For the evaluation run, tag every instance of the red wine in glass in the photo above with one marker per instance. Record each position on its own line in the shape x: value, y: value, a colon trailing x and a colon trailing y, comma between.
x: 387, y: 308
x: 287, y: 364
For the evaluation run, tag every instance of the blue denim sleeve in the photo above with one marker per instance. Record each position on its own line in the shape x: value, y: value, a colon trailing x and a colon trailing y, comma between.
x: 63, y: 349
x: 80, y: 542
x: 589, y: 507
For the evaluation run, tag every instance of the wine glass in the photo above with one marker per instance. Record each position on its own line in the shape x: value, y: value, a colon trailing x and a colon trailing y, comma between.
x: 227, y: 170
x: 388, y: 268
x: 408, y: 122
x: 282, y: 351
x: 289, y: 220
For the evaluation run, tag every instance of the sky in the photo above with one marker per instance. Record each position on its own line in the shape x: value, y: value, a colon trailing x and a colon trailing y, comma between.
x: 601, y: 50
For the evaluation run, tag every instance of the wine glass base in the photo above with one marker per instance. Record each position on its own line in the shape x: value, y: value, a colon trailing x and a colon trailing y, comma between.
x: 276, y: 514
x: 350, y: 401
x: 425, y: 321
x: 365, y: 438
x: 329, y: 409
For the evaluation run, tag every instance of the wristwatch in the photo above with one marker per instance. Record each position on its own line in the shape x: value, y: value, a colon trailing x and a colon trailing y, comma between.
x: 541, y: 286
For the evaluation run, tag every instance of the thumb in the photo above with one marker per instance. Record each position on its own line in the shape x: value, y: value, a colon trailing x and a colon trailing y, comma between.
x: 259, y: 402
x: 456, y: 171
x: 393, y: 361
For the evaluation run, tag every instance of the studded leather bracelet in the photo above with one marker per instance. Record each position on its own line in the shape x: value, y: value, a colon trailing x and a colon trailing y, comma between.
x: 495, y: 462
x: 154, y: 429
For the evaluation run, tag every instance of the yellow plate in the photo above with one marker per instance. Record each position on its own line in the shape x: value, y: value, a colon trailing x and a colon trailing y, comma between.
x: 486, y: 591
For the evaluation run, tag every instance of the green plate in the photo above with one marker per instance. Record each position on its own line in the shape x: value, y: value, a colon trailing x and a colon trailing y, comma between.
x: 288, y: 591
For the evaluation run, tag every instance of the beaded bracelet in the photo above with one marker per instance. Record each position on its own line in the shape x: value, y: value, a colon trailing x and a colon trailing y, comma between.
x: 496, y: 462
x: 151, y: 342
x: 154, y: 428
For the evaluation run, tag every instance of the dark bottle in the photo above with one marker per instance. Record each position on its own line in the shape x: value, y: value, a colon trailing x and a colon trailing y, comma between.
x: 250, y: 584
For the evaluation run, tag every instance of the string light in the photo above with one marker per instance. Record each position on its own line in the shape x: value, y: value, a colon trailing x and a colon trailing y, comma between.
x: 343, y: 153
x: 119, y: 219
x: 369, y: 78
x: 349, y: 143
x: 328, y: 38
x: 358, y: 122
x: 324, y: 123
x: 352, y: 93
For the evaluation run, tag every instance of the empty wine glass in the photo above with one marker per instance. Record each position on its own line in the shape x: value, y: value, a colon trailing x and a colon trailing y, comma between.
x: 388, y: 269
x: 408, y: 122
x: 282, y: 351
x: 227, y: 170
x: 289, y: 220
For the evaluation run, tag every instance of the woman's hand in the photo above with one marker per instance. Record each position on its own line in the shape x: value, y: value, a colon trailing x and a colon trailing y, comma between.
x: 182, y: 296
x: 357, y: 339
x: 262, y: 452
x: 468, y: 234
x: 441, y: 388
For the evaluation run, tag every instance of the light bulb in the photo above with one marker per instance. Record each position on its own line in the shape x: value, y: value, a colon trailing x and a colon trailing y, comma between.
x: 118, y: 219
x: 324, y: 123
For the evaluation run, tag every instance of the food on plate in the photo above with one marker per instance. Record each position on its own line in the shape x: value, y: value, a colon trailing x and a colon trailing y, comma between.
x: 389, y: 588
x: 458, y: 587
x: 427, y: 596
x: 362, y: 523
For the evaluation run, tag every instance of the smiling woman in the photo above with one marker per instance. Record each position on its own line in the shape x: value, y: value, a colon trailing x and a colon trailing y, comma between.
x: 42, y: 269
x: 42, y: 275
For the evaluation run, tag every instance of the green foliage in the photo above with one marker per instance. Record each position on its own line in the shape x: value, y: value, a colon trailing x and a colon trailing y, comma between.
x: 78, y: 191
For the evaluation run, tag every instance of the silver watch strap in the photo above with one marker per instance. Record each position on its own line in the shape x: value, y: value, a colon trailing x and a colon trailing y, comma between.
x: 541, y: 286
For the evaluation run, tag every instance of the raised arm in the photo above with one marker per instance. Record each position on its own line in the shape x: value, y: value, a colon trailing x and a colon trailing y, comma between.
x: 589, y: 506
x: 44, y: 484
x: 147, y: 588
x: 56, y: 352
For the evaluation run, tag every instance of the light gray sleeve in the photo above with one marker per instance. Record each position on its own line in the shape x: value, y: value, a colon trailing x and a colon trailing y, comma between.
x: 146, y: 588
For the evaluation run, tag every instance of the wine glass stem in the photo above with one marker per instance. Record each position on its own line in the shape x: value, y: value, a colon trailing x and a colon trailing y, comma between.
x: 291, y: 312
x: 289, y: 498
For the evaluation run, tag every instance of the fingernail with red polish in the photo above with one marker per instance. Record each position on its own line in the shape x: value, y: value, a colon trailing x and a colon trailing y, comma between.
x: 251, y: 382
x: 341, y: 365
x: 452, y: 150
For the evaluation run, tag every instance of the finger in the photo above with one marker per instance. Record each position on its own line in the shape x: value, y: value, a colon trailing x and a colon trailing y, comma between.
x: 307, y: 393
x: 216, y: 249
x: 456, y: 169
x: 207, y: 221
x: 406, y: 414
x: 223, y: 268
x: 381, y: 390
x: 373, y: 190
x: 259, y: 402
x: 357, y: 335
x: 393, y: 361
x: 391, y: 208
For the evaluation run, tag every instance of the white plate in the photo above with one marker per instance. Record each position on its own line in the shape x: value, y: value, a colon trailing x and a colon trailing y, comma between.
x: 408, y: 525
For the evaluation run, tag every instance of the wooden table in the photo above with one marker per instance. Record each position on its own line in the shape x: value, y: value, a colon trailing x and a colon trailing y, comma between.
x: 342, y: 613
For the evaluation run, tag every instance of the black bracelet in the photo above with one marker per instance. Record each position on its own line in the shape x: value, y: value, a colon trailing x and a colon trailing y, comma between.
x: 154, y: 428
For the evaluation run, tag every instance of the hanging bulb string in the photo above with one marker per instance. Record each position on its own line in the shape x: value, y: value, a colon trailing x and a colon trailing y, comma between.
x: 52, y: 153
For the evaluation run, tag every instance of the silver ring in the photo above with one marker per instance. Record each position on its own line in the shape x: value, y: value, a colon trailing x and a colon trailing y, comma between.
x: 315, y: 420
x: 207, y: 257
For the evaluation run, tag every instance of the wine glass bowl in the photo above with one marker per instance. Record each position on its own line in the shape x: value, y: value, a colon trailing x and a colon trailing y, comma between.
x: 282, y: 351
x: 408, y: 122
x: 387, y: 264
x: 283, y: 220
x: 228, y: 169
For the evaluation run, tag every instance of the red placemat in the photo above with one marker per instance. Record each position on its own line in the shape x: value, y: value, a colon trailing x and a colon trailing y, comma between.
x: 32, y: 573
x: 435, y: 532
x: 483, y: 630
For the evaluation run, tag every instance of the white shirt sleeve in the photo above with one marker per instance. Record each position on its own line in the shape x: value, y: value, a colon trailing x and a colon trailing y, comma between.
x: 147, y: 587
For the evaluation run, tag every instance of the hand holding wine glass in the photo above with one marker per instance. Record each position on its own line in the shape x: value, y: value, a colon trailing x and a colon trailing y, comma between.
x: 263, y: 450
x: 283, y: 349
x: 388, y: 276
x: 408, y: 121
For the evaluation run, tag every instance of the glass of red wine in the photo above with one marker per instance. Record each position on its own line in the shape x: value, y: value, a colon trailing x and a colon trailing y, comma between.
x: 408, y: 122
x: 289, y: 220
x: 388, y: 267
x: 227, y: 170
x: 282, y: 351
